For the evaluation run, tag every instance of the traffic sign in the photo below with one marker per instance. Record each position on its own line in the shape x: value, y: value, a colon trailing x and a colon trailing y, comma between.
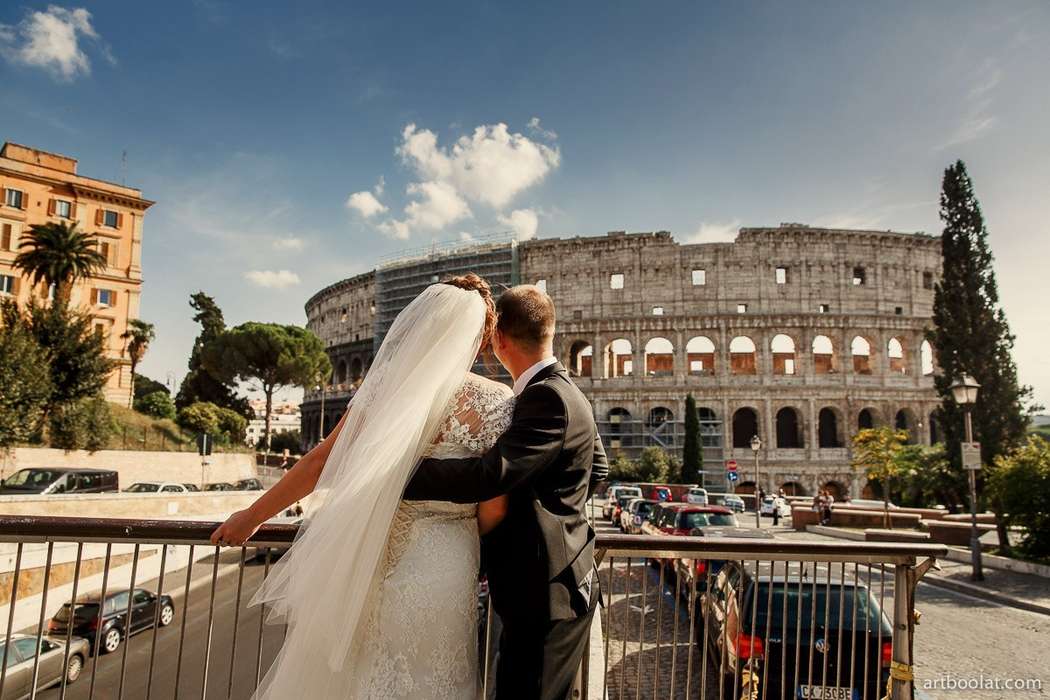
x: 731, y: 465
x: 971, y: 455
x: 732, y: 476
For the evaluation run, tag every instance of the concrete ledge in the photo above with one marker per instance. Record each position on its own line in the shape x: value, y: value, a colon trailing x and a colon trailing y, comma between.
x: 951, y: 532
x: 837, y: 532
x: 137, y: 465
x: 129, y: 505
x: 995, y: 561
x: 881, y: 535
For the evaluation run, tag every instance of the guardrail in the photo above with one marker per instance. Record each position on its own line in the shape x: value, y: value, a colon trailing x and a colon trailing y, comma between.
x: 682, y: 616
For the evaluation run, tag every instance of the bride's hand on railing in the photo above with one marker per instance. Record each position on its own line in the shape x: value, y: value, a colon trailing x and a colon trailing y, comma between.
x: 236, y: 530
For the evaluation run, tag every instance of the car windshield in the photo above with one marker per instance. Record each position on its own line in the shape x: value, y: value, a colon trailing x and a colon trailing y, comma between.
x: 865, y: 615
x: 625, y: 499
x: 691, y: 520
x: 631, y: 493
x: 644, y: 509
x: 143, y: 488
x: 32, y: 477
x: 84, y: 611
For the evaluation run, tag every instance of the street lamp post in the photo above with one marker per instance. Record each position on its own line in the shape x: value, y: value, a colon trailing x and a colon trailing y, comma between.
x: 964, y: 391
x: 756, y: 445
x: 320, y: 433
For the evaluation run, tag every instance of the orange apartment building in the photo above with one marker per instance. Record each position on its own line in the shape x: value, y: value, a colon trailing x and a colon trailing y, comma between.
x: 37, y: 187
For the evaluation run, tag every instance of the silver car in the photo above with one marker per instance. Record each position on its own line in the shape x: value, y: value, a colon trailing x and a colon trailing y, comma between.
x: 20, y: 657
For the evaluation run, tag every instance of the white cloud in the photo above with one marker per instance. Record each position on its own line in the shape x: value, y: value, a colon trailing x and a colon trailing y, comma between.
x: 976, y: 112
x: 535, y: 127
x: 715, y: 232
x: 272, y: 279
x: 51, y: 39
x: 290, y: 243
x: 523, y: 222
x: 365, y: 204
x: 437, y: 206
x: 491, y: 165
x: 380, y: 186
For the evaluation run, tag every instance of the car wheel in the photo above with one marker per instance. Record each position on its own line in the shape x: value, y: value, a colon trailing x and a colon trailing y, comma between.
x: 111, y: 640
x: 167, y: 614
x: 74, y: 668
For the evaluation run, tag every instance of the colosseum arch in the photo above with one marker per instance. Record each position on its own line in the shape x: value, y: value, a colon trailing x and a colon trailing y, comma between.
x: 926, y: 358
x: 793, y: 488
x: 659, y: 357
x: 340, y: 372
x: 824, y: 360
x: 356, y: 370
x: 745, y: 426
x: 700, y: 355
x: 860, y: 350
x: 896, y: 356
x: 836, y: 489
x: 867, y: 419
x: 619, y: 359
x: 581, y: 359
x: 742, y: 356
x: 829, y: 428
x: 785, y: 359
x: 935, y: 426
x: 658, y: 415
x: 789, y: 429
x: 905, y: 420
x: 618, y: 418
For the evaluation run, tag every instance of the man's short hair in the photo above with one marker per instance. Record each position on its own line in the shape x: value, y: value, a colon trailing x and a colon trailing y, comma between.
x: 526, y: 315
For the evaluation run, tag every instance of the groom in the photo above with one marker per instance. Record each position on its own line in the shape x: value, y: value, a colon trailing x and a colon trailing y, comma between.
x: 540, y: 559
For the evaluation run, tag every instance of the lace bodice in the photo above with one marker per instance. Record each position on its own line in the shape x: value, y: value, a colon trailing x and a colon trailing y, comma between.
x: 476, y: 416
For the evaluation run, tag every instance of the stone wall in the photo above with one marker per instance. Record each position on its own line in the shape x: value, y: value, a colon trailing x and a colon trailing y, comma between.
x: 134, y: 465
x: 217, y: 504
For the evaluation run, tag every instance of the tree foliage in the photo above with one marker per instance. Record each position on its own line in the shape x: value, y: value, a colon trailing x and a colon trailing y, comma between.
x: 137, y: 338
x: 270, y: 356
x: 56, y: 253
x: 875, y: 451
x: 198, y: 384
x: 25, y: 380
x: 85, y: 424
x: 157, y: 404
x: 1020, y: 481
x: 290, y: 440
x: 144, y: 386
x: 692, y: 451
x: 223, y: 424
x: 928, y: 478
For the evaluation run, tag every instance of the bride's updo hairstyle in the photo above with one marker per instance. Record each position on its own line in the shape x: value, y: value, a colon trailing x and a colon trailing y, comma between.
x: 474, y: 283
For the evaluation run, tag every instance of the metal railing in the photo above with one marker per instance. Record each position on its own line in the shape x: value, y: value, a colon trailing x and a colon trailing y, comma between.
x: 681, y: 617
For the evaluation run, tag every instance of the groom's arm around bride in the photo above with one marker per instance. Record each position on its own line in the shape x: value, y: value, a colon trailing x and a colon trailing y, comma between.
x: 540, y: 558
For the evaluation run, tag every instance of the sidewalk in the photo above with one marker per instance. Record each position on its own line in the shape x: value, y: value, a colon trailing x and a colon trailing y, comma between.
x: 1017, y: 590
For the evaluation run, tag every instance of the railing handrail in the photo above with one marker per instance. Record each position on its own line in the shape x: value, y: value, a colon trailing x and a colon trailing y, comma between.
x: 75, y: 529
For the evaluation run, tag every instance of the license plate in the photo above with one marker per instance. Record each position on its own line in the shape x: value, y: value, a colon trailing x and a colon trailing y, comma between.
x: 824, y: 692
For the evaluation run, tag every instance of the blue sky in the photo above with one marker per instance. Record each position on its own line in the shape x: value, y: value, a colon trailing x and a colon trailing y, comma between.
x: 256, y: 127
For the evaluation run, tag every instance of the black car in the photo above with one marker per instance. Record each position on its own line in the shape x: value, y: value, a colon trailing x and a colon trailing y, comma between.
x: 89, y: 616
x: 248, y: 485
x: 219, y: 486
x: 48, y: 480
x: 822, y: 636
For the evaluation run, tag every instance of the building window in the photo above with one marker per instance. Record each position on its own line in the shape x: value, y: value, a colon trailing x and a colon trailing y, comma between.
x: 782, y: 275
x: 7, y: 284
x: 106, y: 297
x: 577, y: 315
x: 616, y: 280
x: 927, y: 280
x: 699, y: 278
x: 542, y: 284
x: 741, y: 308
x: 110, y: 218
x: 658, y: 311
x: 63, y: 209
x: 101, y: 330
x: 823, y: 308
x: 860, y: 276
x: 15, y: 198
x: 898, y: 310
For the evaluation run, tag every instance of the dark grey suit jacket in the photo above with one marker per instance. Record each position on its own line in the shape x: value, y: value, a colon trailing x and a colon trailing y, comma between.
x: 548, y: 462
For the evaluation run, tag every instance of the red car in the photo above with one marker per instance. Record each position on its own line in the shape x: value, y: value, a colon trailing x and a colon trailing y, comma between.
x: 660, y: 493
x: 679, y: 519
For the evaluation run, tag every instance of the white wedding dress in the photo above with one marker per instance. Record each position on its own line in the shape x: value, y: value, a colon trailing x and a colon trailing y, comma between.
x: 420, y: 632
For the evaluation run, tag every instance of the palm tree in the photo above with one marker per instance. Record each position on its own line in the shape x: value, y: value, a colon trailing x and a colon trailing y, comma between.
x: 138, y: 337
x: 59, y: 254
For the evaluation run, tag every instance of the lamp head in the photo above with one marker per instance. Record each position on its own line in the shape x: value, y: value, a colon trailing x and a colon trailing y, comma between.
x: 964, y: 390
x: 756, y: 443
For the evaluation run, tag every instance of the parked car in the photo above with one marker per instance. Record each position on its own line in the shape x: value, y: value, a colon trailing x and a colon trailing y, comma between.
x: 248, y: 485
x: 687, y: 569
x: 679, y: 520
x: 21, y: 657
x: 734, y: 503
x: 781, y: 506
x: 636, y: 513
x: 696, y: 496
x: 622, y: 500
x: 88, y: 615
x: 156, y: 487
x: 610, y: 498
x: 660, y: 493
x: 192, y: 487
x: 727, y: 613
x: 47, y: 481
x: 219, y: 486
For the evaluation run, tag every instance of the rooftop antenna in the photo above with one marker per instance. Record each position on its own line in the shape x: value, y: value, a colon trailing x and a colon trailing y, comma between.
x: 124, y: 167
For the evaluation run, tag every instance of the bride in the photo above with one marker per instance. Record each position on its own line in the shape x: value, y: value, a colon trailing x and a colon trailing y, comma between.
x: 380, y: 594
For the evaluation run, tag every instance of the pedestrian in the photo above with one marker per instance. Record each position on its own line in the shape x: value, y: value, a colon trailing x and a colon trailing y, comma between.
x: 776, y: 510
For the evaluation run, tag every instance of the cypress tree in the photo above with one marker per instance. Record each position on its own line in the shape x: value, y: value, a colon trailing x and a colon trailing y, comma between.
x: 692, y: 451
x: 971, y: 334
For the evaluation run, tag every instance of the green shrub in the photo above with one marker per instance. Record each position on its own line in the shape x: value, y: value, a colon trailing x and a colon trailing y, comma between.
x: 1020, y: 481
x: 98, y: 423
x: 157, y: 404
x: 232, y: 425
x: 200, y: 417
x: 67, y: 427
x: 25, y: 381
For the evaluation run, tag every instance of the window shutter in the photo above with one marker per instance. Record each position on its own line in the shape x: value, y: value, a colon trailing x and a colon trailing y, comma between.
x: 94, y: 296
x: 73, y: 211
x: 16, y: 285
x: 5, y: 237
x: 120, y: 220
x: 113, y: 247
x: 98, y: 216
x: 112, y: 297
x: 50, y: 207
x: 25, y: 200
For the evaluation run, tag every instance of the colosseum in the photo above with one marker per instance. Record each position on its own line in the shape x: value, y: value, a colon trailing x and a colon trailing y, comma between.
x: 798, y: 335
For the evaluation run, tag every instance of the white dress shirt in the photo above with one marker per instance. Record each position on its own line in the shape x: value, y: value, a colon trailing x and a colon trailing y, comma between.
x: 525, y: 377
